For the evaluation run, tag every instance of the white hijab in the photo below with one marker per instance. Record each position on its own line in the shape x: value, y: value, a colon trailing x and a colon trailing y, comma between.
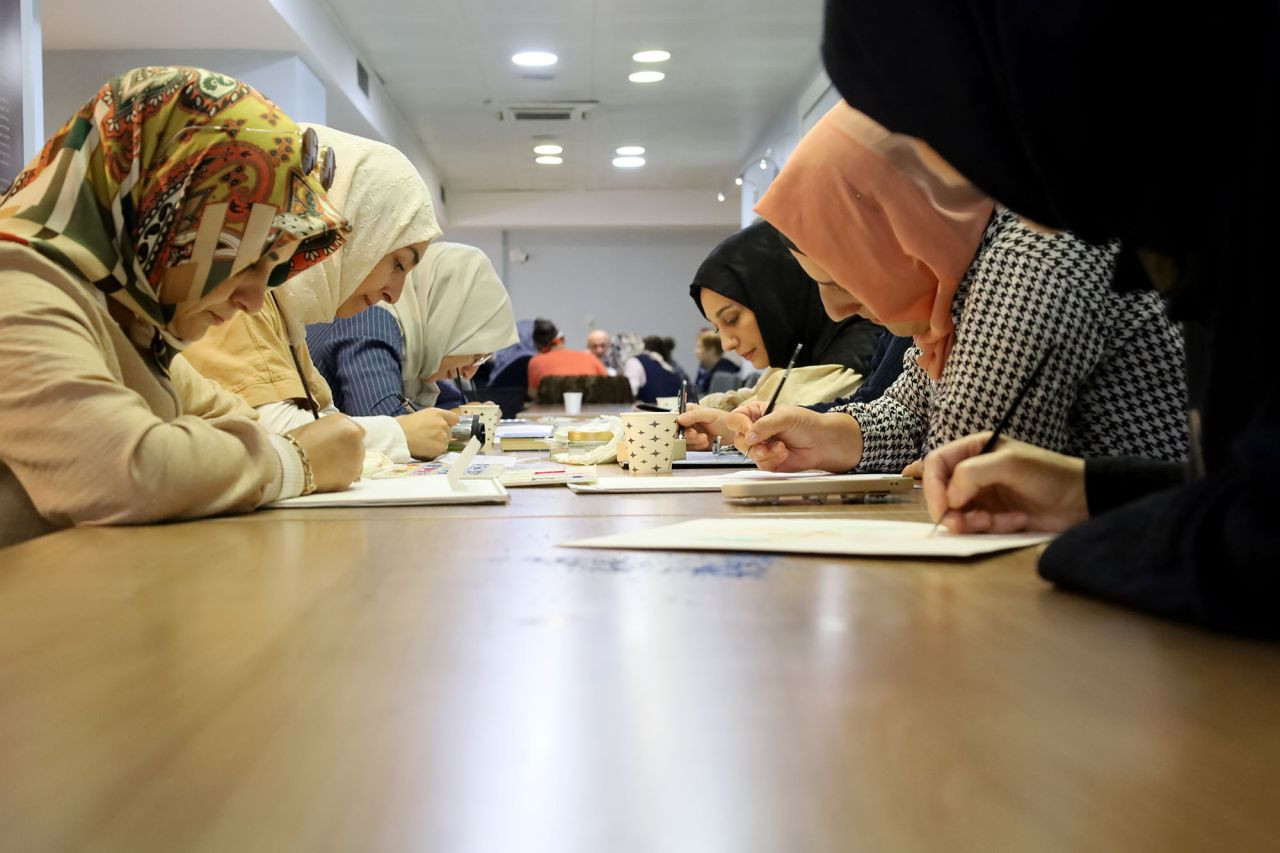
x: 453, y: 304
x: 389, y: 207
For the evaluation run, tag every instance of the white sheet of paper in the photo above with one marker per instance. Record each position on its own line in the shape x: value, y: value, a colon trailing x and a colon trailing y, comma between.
x: 404, y: 491
x: 543, y: 476
x: 411, y: 491
x: 838, y: 536
x: 699, y: 483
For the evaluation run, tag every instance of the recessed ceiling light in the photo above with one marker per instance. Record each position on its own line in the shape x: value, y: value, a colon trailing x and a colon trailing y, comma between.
x: 631, y: 150
x: 628, y: 162
x: 719, y: 196
x: 738, y: 180
x: 646, y: 76
x: 535, y: 58
x: 547, y: 149
x: 651, y: 56
x: 548, y: 160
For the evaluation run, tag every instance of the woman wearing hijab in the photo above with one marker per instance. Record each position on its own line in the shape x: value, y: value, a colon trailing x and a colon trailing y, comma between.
x: 172, y: 200
x: 623, y: 347
x: 762, y: 305
x: 889, y: 231
x: 1085, y: 115
x: 264, y: 357
x: 454, y: 314
x: 652, y: 373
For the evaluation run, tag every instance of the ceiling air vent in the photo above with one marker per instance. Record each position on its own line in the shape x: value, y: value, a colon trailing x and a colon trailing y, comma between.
x: 563, y: 111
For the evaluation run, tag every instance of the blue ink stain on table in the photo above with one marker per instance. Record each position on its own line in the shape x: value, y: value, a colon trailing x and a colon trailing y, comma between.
x: 698, y: 565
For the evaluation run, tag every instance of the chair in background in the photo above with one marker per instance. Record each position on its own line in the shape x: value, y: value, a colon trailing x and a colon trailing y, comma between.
x: 595, y: 389
x: 721, y: 382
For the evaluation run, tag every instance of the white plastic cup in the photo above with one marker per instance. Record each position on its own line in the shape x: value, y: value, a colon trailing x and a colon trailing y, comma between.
x: 489, y: 415
x: 573, y: 402
x: 651, y: 439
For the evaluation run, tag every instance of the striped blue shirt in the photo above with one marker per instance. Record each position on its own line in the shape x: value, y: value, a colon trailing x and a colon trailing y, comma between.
x: 362, y: 359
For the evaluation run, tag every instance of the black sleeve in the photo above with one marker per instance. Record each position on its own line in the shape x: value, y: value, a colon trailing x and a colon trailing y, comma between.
x: 1112, y: 482
x: 1207, y: 552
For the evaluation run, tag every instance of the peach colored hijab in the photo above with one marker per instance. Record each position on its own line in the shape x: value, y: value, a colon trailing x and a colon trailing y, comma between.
x: 886, y: 217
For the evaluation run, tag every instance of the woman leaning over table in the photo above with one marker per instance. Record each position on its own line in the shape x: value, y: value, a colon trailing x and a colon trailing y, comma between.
x: 454, y: 314
x: 762, y: 304
x: 171, y: 201
x: 265, y: 358
x: 888, y: 230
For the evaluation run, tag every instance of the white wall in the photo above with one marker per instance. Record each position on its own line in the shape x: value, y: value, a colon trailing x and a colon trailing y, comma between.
x: 619, y: 279
x: 589, y: 209
x: 776, y: 142
x: 330, y: 52
x: 32, y: 80
x: 71, y: 77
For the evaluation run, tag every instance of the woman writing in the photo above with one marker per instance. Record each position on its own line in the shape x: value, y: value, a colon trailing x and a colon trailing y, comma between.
x: 762, y: 303
x: 168, y: 204
x: 453, y: 315
x: 264, y: 357
x: 888, y: 230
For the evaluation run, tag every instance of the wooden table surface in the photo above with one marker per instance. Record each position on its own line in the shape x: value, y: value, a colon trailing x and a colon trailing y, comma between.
x: 448, y: 679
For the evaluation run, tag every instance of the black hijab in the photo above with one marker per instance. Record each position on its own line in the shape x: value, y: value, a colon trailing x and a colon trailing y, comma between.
x: 1078, y: 114
x: 1157, y: 128
x: 754, y: 268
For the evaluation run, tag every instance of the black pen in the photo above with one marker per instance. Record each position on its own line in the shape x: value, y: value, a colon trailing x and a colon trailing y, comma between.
x: 409, y: 407
x: 684, y: 404
x: 990, y: 444
x: 461, y: 387
x: 785, y: 374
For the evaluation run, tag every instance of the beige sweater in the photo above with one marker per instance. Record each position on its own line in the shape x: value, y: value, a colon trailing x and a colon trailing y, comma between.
x: 91, y: 434
x: 820, y: 383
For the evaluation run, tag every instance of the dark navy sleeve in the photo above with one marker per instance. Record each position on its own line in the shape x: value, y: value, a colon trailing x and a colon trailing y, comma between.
x: 886, y: 365
x: 362, y: 359
x: 450, y: 395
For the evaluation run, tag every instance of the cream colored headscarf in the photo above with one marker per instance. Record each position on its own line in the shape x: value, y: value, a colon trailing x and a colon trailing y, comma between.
x: 453, y: 304
x: 389, y: 206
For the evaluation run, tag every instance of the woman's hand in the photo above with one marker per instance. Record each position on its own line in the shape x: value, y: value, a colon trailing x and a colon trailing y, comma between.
x: 1017, y: 486
x: 335, y: 451
x: 795, y: 438
x: 701, y: 426
x: 427, y: 431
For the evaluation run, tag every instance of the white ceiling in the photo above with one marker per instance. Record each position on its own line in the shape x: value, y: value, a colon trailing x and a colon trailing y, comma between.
x: 447, y: 64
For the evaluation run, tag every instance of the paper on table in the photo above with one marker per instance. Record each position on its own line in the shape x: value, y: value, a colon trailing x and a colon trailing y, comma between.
x: 410, y: 491
x: 699, y: 483
x: 839, y: 536
x: 553, y: 475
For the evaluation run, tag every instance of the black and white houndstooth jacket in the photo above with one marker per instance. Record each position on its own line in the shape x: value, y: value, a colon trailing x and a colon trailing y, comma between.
x: 1114, y: 387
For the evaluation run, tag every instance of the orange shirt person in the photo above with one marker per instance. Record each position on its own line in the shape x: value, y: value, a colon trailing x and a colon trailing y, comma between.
x: 554, y: 360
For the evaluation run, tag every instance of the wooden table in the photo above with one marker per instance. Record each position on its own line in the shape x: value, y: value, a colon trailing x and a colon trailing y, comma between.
x: 448, y: 679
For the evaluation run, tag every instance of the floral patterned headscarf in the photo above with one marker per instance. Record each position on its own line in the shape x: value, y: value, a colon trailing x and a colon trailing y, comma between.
x: 165, y: 184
